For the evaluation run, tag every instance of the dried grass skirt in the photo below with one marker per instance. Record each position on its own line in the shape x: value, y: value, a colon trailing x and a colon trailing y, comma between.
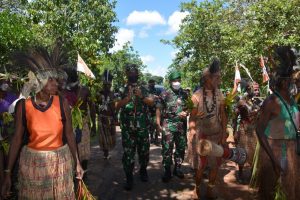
x: 84, y: 147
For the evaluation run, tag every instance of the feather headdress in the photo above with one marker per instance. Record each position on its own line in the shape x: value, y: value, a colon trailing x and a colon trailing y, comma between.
x: 285, y: 60
x: 42, y: 66
x: 213, y: 68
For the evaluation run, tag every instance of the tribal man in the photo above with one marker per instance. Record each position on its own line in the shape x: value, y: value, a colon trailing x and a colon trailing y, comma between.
x: 207, y: 121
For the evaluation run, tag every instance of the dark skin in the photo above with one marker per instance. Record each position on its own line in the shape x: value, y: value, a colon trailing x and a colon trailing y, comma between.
x: 242, y: 111
x: 270, y: 110
x: 84, y: 94
x: 42, y: 98
x: 137, y: 92
x: 211, y: 82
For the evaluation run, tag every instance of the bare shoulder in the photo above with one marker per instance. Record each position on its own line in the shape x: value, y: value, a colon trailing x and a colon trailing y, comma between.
x: 271, y: 104
x: 197, y: 95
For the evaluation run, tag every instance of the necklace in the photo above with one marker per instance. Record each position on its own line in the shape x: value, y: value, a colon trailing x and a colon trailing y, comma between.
x: 214, y: 101
x: 42, y: 103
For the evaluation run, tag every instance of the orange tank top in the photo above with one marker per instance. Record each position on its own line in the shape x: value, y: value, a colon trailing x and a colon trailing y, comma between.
x: 44, y: 125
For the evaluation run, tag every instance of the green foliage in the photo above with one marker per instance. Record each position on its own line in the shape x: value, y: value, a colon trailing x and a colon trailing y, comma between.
x: 158, y: 79
x: 15, y: 35
x: 233, y: 30
x: 279, y: 193
x: 117, y: 61
x: 77, y: 120
x: 83, y: 26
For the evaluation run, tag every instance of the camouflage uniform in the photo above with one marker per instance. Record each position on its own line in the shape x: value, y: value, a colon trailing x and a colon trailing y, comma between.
x: 174, y: 128
x: 135, y: 135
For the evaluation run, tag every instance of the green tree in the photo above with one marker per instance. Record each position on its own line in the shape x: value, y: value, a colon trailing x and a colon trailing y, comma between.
x: 84, y: 26
x: 15, y: 35
x: 233, y: 30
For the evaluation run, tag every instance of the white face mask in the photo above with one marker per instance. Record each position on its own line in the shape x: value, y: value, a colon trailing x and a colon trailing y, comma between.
x: 176, y: 85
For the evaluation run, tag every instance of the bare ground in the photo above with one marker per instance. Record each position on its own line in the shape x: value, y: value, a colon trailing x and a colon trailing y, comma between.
x: 105, y: 179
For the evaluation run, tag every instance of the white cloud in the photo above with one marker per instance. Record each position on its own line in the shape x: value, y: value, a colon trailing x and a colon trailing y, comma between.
x: 158, y: 70
x: 173, y: 53
x: 143, y: 34
x: 147, y: 59
x: 148, y: 18
x: 123, y: 36
x: 175, y: 20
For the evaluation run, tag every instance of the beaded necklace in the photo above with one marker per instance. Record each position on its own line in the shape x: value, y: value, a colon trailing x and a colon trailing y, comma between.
x: 214, y: 103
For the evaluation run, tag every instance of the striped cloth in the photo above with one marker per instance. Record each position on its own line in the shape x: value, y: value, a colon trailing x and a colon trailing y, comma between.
x: 46, y: 174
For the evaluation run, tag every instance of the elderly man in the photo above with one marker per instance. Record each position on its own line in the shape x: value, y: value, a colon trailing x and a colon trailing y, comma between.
x: 133, y: 117
x: 207, y: 121
x: 172, y: 107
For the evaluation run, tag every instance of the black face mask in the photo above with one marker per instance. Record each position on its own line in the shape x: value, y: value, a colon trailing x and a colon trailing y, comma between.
x: 132, y: 79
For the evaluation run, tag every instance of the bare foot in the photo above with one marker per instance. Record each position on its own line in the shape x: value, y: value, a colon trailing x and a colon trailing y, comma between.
x: 196, y: 193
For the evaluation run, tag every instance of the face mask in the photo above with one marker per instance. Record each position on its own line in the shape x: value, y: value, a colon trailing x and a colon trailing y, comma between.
x: 176, y: 85
x: 132, y: 79
x: 293, y: 89
x: 4, y: 87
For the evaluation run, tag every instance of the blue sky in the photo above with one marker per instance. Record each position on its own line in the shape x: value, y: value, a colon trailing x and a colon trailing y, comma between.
x: 144, y: 23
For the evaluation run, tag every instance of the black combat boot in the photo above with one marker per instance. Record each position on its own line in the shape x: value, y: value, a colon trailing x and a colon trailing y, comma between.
x: 167, y: 175
x: 129, y: 181
x: 177, y: 172
x: 144, y: 174
x: 129, y: 178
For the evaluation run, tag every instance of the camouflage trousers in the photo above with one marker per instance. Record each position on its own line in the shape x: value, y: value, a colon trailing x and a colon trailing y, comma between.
x: 132, y: 141
x: 152, y: 127
x: 173, y: 134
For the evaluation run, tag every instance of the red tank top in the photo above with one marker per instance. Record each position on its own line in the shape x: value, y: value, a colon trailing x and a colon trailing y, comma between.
x: 44, y: 125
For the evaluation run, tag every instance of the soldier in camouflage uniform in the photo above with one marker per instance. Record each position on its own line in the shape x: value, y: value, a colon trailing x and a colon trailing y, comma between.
x: 172, y: 108
x: 152, y: 112
x: 133, y: 117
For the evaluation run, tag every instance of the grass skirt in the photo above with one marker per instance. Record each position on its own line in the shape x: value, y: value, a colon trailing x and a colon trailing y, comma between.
x: 107, y: 132
x: 46, y: 174
x: 248, y: 140
x: 84, y: 147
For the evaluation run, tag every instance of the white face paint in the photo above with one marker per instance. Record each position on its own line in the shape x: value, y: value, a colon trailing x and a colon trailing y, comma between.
x: 176, y: 85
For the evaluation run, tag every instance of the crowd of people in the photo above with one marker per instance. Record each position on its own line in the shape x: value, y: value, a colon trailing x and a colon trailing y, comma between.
x: 55, y: 116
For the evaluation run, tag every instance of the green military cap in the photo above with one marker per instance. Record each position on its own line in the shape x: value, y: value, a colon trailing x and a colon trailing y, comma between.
x: 174, y: 75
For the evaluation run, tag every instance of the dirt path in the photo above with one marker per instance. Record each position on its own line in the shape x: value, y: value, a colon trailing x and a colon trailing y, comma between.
x: 105, y: 179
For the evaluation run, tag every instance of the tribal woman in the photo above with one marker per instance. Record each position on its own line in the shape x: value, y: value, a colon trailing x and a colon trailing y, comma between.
x: 106, y: 115
x: 43, y: 123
